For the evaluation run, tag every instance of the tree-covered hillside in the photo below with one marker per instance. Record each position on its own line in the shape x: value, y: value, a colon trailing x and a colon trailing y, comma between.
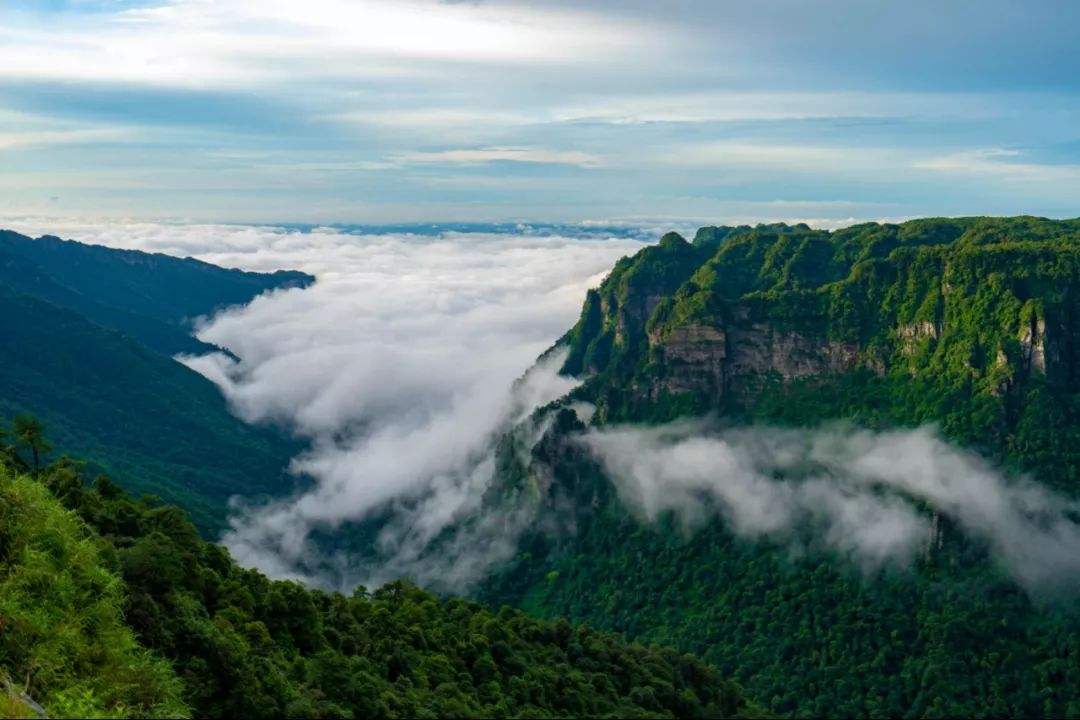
x: 150, y: 296
x: 967, y: 323
x: 972, y: 323
x: 89, y: 333
x: 114, y: 607
x: 157, y: 426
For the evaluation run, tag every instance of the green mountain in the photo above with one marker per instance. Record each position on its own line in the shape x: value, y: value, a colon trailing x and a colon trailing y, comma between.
x: 88, y: 338
x: 972, y: 324
x: 150, y: 296
x: 112, y: 607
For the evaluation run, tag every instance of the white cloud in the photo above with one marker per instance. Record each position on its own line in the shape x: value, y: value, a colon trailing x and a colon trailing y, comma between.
x: 712, y: 106
x: 200, y: 43
x: 397, y: 364
x: 1001, y: 164
x: 855, y: 490
x: 819, y: 159
x: 510, y: 154
x: 18, y: 139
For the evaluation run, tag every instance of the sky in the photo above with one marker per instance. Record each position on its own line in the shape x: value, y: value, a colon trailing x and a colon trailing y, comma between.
x: 375, y: 111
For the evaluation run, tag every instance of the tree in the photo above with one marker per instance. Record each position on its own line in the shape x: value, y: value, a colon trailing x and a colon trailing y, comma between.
x: 30, y: 433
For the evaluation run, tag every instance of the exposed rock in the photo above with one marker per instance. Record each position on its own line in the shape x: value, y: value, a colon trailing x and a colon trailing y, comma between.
x: 762, y: 349
x: 1033, y: 345
x: 935, y: 539
x: 723, y: 359
x: 911, y: 334
x: 33, y: 709
x: 697, y: 358
x: 633, y: 314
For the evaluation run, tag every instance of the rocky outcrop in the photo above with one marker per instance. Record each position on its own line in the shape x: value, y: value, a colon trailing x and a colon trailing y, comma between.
x: 1033, y: 345
x: 762, y: 349
x: 19, y: 702
x: 696, y: 357
x: 730, y: 358
x: 910, y: 335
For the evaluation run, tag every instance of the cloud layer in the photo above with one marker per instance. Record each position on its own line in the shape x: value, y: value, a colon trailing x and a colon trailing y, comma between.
x: 867, y: 494
x: 398, y: 365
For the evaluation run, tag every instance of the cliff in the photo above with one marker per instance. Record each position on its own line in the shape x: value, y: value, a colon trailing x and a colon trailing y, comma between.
x: 971, y: 323
x: 968, y: 324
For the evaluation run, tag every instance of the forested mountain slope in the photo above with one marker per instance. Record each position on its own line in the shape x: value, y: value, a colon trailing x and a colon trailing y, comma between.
x: 971, y: 324
x: 150, y: 296
x: 115, y: 607
x: 88, y: 337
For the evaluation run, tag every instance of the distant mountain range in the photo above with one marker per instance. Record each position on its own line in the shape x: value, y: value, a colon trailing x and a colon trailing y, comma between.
x: 88, y: 337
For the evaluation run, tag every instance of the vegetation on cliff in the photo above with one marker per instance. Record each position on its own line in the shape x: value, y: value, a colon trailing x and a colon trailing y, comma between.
x: 970, y: 323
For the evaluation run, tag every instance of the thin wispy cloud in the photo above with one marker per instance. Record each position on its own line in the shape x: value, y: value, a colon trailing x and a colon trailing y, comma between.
x: 1007, y: 164
x: 43, y: 138
x: 862, y: 493
x: 505, y: 154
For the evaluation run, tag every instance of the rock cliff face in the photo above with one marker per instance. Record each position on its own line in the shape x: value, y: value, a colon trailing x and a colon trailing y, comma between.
x: 983, y: 306
x: 727, y: 359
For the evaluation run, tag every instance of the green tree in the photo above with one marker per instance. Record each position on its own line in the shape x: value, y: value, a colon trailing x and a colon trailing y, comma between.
x: 29, y: 432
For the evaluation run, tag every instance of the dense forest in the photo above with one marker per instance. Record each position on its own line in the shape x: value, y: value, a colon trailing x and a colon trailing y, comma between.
x: 966, y: 323
x: 805, y: 634
x: 115, y: 607
x: 89, y: 337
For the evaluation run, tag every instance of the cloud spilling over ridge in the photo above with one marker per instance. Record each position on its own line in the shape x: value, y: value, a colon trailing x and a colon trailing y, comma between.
x: 398, y: 365
x: 862, y: 492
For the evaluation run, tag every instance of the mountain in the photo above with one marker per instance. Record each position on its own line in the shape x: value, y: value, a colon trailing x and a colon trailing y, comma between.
x: 113, y: 607
x: 970, y: 324
x: 150, y: 296
x: 89, y: 333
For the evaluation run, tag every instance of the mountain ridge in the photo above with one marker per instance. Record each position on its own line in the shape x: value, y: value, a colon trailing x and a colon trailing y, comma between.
x: 152, y: 296
x: 90, y: 334
x: 745, y: 318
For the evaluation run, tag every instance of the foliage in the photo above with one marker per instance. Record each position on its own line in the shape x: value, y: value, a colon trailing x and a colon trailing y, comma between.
x: 246, y: 646
x: 810, y: 635
x: 62, y: 635
x: 160, y: 427
x: 970, y: 323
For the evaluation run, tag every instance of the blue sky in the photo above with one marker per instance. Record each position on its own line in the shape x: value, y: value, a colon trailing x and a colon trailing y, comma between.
x: 408, y: 110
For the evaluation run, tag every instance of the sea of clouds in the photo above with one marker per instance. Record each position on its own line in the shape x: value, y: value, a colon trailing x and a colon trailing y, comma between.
x: 398, y: 366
